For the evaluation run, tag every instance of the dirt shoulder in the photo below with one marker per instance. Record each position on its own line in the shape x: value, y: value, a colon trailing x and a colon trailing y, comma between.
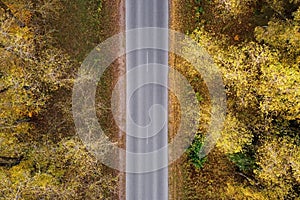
x: 114, y: 13
x: 181, y: 21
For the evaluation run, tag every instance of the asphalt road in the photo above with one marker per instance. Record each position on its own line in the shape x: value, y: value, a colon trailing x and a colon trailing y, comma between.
x: 142, y: 102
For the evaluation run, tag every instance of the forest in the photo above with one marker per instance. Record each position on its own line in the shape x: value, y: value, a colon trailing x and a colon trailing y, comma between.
x: 255, y: 44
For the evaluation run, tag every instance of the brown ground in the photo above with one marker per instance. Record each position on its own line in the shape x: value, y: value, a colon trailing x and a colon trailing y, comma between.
x: 114, y: 12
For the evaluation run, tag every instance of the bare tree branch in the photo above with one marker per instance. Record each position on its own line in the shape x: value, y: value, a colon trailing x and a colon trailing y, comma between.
x: 10, y: 14
x: 4, y: 90
x: 9, y: 161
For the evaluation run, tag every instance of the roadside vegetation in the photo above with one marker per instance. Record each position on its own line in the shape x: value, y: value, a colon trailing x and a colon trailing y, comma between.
x: 42, y: 44
x: 255, y: 43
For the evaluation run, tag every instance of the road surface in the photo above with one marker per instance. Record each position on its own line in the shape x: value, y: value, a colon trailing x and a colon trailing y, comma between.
x: 147, y: 185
